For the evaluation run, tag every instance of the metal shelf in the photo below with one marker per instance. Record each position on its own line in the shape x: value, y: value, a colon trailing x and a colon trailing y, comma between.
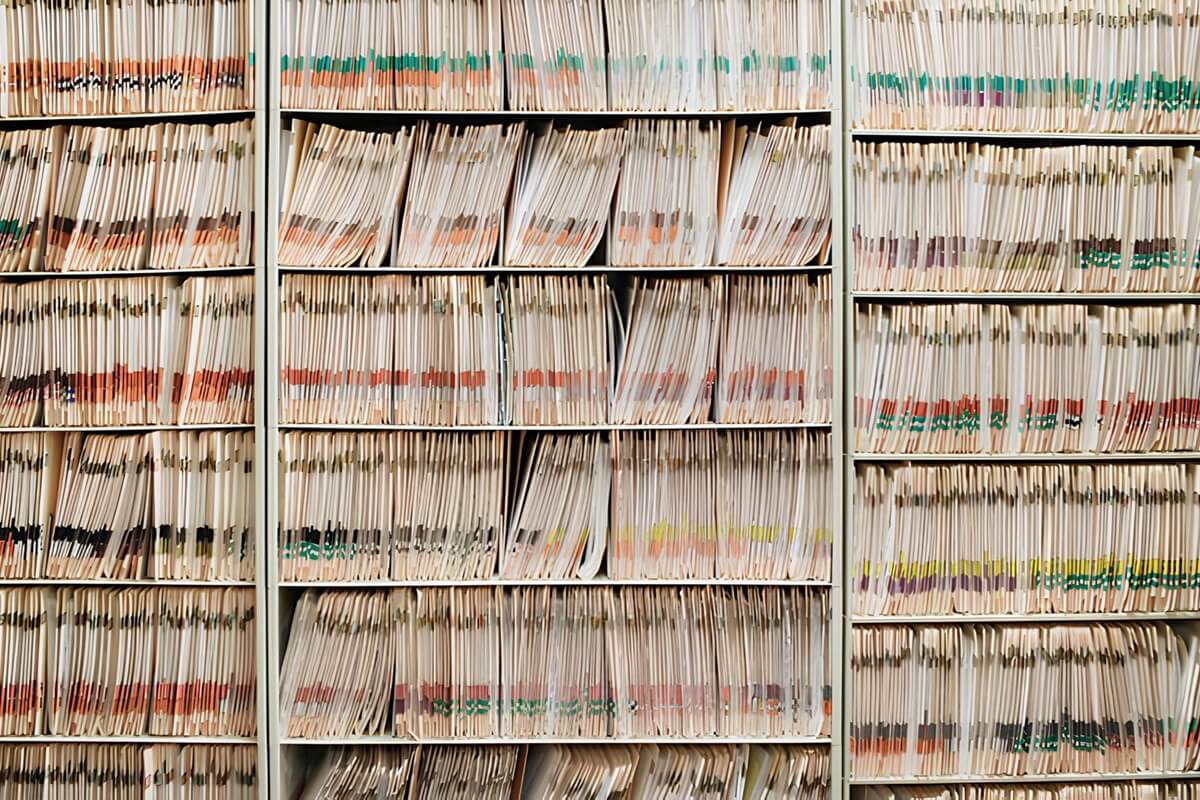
x: 1066, y: 297
x: 140, y: 116
x: 590, y: 269
x: 503, y: 582
x: 1036, y: 458
x: 515, y: 115
x: 1036, y: 137
x: 200, y: 426
x: 517, y: 740
x: 41, y: 275
x: 54, y: 582
x: 1027, y: 618
x: 142, y: 739
x: 702, y: 426
x: 1065, y: 777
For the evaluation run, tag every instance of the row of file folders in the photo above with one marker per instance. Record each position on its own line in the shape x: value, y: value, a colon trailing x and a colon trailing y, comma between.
x: 991, y: 378
x: 128, y: 772
x: 165, y: 505
x: 1043, y: 538
x: 578, y: 662
x: 1019, y: 700
x: 656, y: 192
x: 127, y: 351
x: 565, y: 771
x: 475, y: 506
x: 1024, y: 65
x: 139, y: 57
x: 971, y: 217
x: 549, y: 55
x: 128, y: 662
x: 166, y: 196
x: 555, y: 349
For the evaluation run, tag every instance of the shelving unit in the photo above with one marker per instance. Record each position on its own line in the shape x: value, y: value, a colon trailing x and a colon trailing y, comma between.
x: 257, y: 113
x: 289, y: 755
x: 851, y: 299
